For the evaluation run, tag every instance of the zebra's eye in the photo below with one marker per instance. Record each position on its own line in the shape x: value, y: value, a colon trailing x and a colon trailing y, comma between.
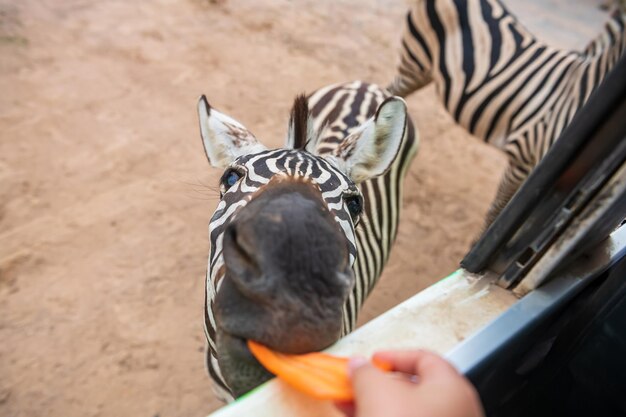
x: 230, y: 178
x: 355, y: 206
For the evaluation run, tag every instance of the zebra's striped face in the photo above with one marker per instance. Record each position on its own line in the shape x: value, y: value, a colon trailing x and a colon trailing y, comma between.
x: 284, y: 244
x: 245, y: 178
x: 283, y: 236
x: 248, y: 174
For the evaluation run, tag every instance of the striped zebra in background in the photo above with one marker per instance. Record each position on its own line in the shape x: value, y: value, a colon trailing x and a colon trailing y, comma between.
x: 499, y: 81
x: 354, y: 134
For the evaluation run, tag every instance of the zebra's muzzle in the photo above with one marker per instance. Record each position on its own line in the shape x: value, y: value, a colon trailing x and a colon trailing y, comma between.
x: 287, y: 278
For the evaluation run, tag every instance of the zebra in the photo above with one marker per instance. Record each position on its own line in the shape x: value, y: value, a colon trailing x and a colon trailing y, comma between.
x: 301, y: 233
x: 499, y: 81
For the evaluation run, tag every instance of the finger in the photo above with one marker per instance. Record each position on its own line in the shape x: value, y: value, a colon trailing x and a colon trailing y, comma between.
x: 346, y: 407
x: 418, y: 362
x: 374, y: 390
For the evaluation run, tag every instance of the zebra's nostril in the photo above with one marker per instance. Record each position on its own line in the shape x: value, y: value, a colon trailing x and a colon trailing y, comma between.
x: 239, y: 254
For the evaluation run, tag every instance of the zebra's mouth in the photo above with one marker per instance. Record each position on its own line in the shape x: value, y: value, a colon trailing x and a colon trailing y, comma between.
x: 239, y: 367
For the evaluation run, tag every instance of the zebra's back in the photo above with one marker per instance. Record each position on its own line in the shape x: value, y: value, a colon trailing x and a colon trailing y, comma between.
x: 493, y: 76
x: 500, y: 82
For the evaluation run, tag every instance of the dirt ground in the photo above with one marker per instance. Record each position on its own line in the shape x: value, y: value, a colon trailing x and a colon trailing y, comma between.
x: 105, y: 192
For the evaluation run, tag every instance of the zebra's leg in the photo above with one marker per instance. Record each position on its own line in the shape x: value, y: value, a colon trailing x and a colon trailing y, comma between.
x: 407, y: 81
x: 414, y: 69
x: 514, y: 176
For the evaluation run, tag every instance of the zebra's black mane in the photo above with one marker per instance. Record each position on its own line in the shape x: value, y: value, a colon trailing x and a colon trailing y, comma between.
x: 299, y: 122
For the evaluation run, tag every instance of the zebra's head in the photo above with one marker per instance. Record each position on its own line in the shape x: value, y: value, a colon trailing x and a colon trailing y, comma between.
x: 283, y: 235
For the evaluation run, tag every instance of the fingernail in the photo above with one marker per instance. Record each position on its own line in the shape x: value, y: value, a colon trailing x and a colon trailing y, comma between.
x: 355, y: 363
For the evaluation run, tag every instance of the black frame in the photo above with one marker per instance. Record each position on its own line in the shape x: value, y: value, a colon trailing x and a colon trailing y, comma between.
x: 587, y: 154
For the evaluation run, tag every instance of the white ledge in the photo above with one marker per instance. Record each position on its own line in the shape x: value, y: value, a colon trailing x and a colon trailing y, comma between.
x: 437, y: 318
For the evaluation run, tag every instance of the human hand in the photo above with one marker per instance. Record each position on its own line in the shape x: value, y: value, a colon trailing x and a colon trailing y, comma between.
x: 423, y: 384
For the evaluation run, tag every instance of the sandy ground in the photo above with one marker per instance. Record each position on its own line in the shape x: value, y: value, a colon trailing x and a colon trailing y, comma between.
x: 105, y: 193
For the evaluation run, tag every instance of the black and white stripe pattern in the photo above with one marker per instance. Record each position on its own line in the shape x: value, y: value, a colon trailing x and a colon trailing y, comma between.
x: 343, y: 107
x: 499, y: 81
x: 337, y: 110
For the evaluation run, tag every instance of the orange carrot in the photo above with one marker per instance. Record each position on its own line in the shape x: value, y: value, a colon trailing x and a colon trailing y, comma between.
x: 319, y: 375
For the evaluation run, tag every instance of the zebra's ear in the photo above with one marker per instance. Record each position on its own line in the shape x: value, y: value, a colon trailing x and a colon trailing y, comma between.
x: 369, y: 151
x: 224, y: 138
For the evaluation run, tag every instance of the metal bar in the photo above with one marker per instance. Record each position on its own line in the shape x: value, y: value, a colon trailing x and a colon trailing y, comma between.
x: 597, y: 109
x: 476, y: 352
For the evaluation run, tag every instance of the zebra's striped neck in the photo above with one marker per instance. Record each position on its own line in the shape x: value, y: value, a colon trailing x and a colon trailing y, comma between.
x: 340, y: 108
